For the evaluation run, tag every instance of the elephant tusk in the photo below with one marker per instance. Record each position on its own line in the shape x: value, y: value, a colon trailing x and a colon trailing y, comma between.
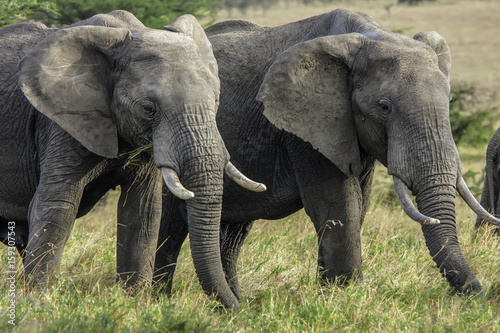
x: 174, y: 184
x: 408, y: 206
x: 242, y: 180
x: 471, y: 201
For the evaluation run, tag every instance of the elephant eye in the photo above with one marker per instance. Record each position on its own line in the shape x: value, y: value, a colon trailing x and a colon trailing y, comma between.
x: 385, y: 105
x: 150, y: 110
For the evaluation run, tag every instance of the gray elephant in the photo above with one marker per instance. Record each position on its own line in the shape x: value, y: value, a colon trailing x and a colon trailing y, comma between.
x: 84, y: 97
x: 491, y: 190
x: 307, y: 108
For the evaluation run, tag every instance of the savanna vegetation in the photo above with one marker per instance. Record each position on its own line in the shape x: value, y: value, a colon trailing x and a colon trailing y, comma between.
x: 402, y: 290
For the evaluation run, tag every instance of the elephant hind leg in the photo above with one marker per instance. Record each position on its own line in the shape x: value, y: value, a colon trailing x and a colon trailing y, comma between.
x: 232, y: 236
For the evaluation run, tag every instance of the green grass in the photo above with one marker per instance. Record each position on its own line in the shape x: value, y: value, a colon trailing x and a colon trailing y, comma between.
x: 402, y: 289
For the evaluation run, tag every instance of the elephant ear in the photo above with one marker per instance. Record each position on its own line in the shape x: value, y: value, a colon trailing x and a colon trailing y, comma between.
x: 306, y: 92
x: 440, y: 46
x: 67, y: 77
x: 189, y: 25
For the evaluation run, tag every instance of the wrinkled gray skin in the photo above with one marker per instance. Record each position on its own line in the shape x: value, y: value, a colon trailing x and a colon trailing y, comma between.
x: 347, y: 93
x: 103, y: 87
x: 490, y: 198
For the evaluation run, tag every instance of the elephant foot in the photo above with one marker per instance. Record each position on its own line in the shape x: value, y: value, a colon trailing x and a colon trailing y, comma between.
x: 133, y: 283
x: 341, y: 279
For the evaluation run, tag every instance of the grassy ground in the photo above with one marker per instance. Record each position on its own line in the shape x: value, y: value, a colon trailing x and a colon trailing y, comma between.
x: 402, y: 291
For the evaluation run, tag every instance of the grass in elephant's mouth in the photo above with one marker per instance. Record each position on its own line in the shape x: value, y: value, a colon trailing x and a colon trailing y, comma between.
x: 134, y: 156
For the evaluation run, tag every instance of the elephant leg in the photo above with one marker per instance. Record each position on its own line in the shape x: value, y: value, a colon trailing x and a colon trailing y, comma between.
x: 53, y: 211
x: 65, y: 169
x: 139, y: 216
x: 366, y: 181
x: 336, y: 204
x: 173, y: 232
x: 232, y: 236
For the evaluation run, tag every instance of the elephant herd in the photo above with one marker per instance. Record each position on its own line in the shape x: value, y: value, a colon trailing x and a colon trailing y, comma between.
x: 305, y: 108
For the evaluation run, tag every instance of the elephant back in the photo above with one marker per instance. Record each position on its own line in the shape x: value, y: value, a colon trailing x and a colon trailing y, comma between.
x: 15, y: 41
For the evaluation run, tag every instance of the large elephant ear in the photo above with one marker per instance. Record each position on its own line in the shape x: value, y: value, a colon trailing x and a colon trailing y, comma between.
x: 440, y: 46
x: 67, y: 77
x: 306, y: 92
x: 189, y: 25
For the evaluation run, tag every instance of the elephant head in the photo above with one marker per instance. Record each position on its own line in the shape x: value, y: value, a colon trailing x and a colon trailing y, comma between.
x: 111, y: 87
x: 387, y: 95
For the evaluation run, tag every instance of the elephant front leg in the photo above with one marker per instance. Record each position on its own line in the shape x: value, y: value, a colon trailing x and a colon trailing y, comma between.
x: 52, y: 214
x: 339, y: 250
x: 173, y: 232
x: 336, y: 204
x: 139, y: 215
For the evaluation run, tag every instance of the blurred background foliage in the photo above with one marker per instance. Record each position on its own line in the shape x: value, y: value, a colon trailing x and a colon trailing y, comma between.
x: 14, y: 11
x: 471, y: 126
x: 153, y: 13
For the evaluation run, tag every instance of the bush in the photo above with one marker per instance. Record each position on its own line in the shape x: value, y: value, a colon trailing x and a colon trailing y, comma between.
x: 153, y: 13
x: 15, y: 11
x: 472, y: 128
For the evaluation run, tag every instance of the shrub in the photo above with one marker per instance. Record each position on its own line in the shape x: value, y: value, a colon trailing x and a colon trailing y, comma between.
x: 14, y: 11
x: 153, y: 13
x: 472, y: 128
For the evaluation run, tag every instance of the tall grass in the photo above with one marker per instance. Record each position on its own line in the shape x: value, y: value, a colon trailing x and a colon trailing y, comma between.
x: 402, y: 289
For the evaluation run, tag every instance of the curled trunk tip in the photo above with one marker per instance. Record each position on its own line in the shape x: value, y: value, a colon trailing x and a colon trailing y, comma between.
x: 408, y: 206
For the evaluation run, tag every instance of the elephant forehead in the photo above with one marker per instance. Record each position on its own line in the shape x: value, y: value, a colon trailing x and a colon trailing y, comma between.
x: 161, y: 38
x: 398, y: 63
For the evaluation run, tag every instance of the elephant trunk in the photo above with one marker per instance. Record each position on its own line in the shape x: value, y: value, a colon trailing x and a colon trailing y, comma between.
x: 193, y: 159
x: 204, y: 235
x: 435, y: 196
x: 204, y: 176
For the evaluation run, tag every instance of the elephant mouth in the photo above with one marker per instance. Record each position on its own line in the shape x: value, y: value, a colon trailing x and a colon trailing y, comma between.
x: 409, y: 208
x: 175, y: 186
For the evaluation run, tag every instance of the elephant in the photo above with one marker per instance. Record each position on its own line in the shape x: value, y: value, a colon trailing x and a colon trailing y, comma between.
x: 106, y: 102
x: 491, y: 189
x: 307, y: 108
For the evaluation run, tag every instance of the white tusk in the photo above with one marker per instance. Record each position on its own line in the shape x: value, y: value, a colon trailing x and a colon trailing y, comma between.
x: 174, y: 184
x: 466, y: 194
x: 243, y: 180
x: 408, y: 206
